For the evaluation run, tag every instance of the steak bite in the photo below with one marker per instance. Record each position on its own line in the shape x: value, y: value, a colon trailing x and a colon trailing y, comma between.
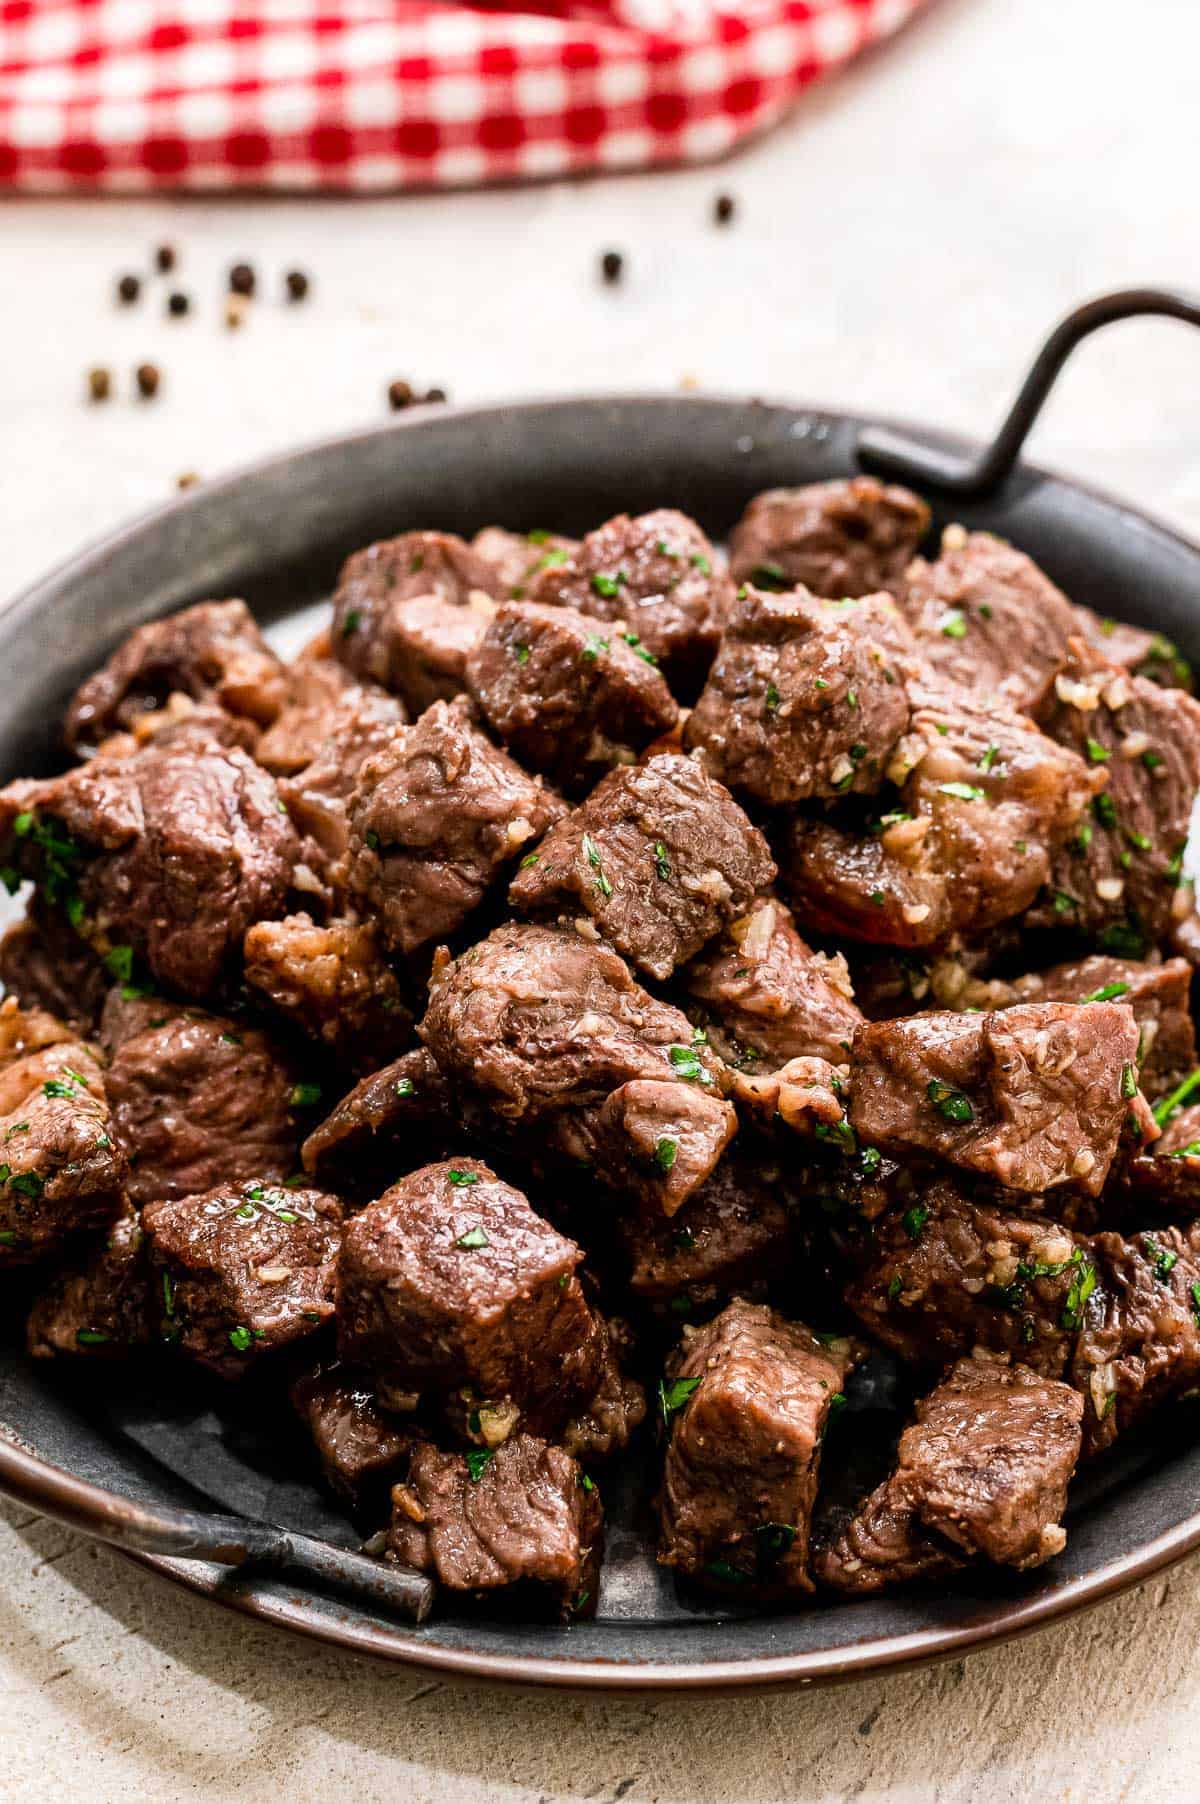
x: 1158, y: 993
x: 1031, y: 1096
x: 522, y: 1517
x: 407, y: 612
x: 213, y: 652
x: 659, y: 856
x: 543, y: 1030
x: 657, y: 575
x: 985, y: 801
x: 451, y: 1283
x: 745, y: 1402
x: 516, y: 557
x: 568, y: 694
x: 61, y: 1174
x: 99, y: 1306
x: 806, y: 697
x: 244, y: 1269
x: 987, y: 618
x: 362, y: 1449
x: 982, y: 1471
x: 45, y: 965
x: 765, y: 997
x: 332, y: 982
x: 198, y: 1101
x: 167, y: 856
x: 434, y: 820
x: 849, y: 537
x: 391, y: 1121
x: 1117, y: 880
x: 1139, y: 1344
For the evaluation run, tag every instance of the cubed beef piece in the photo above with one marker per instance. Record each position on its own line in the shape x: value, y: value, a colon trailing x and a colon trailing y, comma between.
x: 321, y: 702
x: 364, y: 721
x: 362, y: 1448
x: 948, y: 1273
x: 745, y: 1401
x: 1117, y: 879
x: 984, y: 803
x: 523, y: 1516
x: 334, y: 983
x: 99, y: 1306
x: 849, y: 537
x: 657, y: 575
x: 987, y: 618
x: 61, y: 1172
x: 1158, y: 994
x: 568, y: 694
x: 733, y: 1237
x: 211, y: 652
x: 545, y: 1029
x: 45, y: 965
x: 765, y: 997
x: 1139, y: 1344
x: 199, y: 1100
x: 617, y: 1407
x: 169, y: 855
x: 392, y: 1120
x: 244, y: 1269
x: 450, y: 1282
x: 1166, y: 1176
x: 659, y: 856
x: 1145, y: 654
x: 434, y: 820
x: 982, y: 1471
x: 1031, y: 1096
x: 806, y: 697
x: 516, y: 557
x: 408, y: 610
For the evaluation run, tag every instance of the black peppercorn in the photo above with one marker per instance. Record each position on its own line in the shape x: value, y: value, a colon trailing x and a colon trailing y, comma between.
x: 436, y: 394
x: 724, y: 208
x: 241, y: 279
x: 612, y: 264
x: 296, y: 284
x: 164, y: 258
x: 400, y: 395
x: 147, y: 378
x: 128, y: 290
x: 177, y: 304
x: 99, y: 383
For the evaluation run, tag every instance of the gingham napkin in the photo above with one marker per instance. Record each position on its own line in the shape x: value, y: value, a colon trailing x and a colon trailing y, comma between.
x: 359, y: 94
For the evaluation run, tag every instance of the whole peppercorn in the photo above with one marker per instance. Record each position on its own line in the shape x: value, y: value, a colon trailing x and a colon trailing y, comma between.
x: 724, y: 208
x: 164, y: 258
x: 241, y: 279
x: 147, y: 378
x: 99, y: 381
x: 296, y: 284
x: 128, y: 290
x: 612, y: 266
x: 178, y: 304
x: 436, y: 394
x: 400, y: 395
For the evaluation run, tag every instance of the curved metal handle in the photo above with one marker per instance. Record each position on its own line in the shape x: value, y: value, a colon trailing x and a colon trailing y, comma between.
x: 893, y: 454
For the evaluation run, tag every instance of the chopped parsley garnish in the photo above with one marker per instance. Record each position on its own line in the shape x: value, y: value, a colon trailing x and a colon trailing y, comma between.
x: 1166, y: 1108
x: 662, y: 863
x: 478, y: 1460
x: 372, y: 839
x: 592, y: 855
x: 953, y: 624
x: 120, y: 962
x: 530, y: 858
x: 727, y: 1574
x: 666, y: 1151
x: 870, y: 1159
x: 472, y: 1240
x: 28, y: 1183
x: 772, y: 1540
x: 772, y: 699
x: 989, y: 759
x: 966, y: 792
x: 1164, y: 1259
x: 1082, y: 1286
x: 1104, y: 809
x: 608, y: 586
x: 240, y: 1338
x: 1194, y: 1292
x: 673, y: 1394
x: 1108, y: 992
x: 1064, y: 904
x: 635, y: 644
x: 305, y: 1096
x: 55, y: 1086
x: 1128, y: 1082
x: 1096, y: 753
x: 462, y: 1180
x: 702, y: 563
x: 351, y: 623
x: 769, y: 576
x: 594, y: 646
x: 895, y: 1287
x: 1152, y: 760
x: 688, y: 1064
x: 403, y: 1086
x: 91, y: 1337
x: 1122, y: 938
x: 168, y: 1290
x: 948, y: 1101
x: 665, y: 550
x: 913, y: 1221
x: 520, y: 651
x: 877, y: 897
x: 586, y: 1482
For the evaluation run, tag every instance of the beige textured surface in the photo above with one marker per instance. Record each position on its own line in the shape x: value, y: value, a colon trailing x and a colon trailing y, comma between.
x: 901, y: 246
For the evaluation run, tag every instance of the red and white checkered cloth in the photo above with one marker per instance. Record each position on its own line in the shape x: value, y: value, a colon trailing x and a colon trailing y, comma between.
x: 367, y: 94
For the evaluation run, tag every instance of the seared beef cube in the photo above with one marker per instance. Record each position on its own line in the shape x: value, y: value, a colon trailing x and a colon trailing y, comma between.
x: 516, y: 557
x: 244, y: 1269
x: 391, y: 1120
x: 99, y: 1307
x: 211, y: 652
x: 946, y: 1274
x: 734, y: 1236
x: 987, y: 618
x: 169, y: 855
x: 434, y: 820
x: 198, y: 1101
x: 657, y: 575
x: 365, y: 721
x: 1158, y: 994
x: 984, y: 1468
x: 617, y: 1407
x: 1032, y: 1096
x: 362, y: 1449
x: 407, y: 612
x: 61, y: 1173
x: 45, y: 965
x: 1167, y: 1175
x: 568, y: 694
x: 659, y: 856
x: 745, y: 1401
x: 1140, y: 1340
x: 1118, y: 878
x: 984, y: 803
x: 765, y: 997
x: 849, y: 537
x: 333, y: 982
x: 482, y: 1522
x: 450, y: 1282
x: 806, y: 698
x: 548, y: 1031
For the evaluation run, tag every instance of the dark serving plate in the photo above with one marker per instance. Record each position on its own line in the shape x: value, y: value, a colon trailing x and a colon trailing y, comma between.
x: 121, y: 1461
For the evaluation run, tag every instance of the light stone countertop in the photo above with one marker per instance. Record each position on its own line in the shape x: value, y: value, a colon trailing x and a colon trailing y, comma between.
x: 901, y: 246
